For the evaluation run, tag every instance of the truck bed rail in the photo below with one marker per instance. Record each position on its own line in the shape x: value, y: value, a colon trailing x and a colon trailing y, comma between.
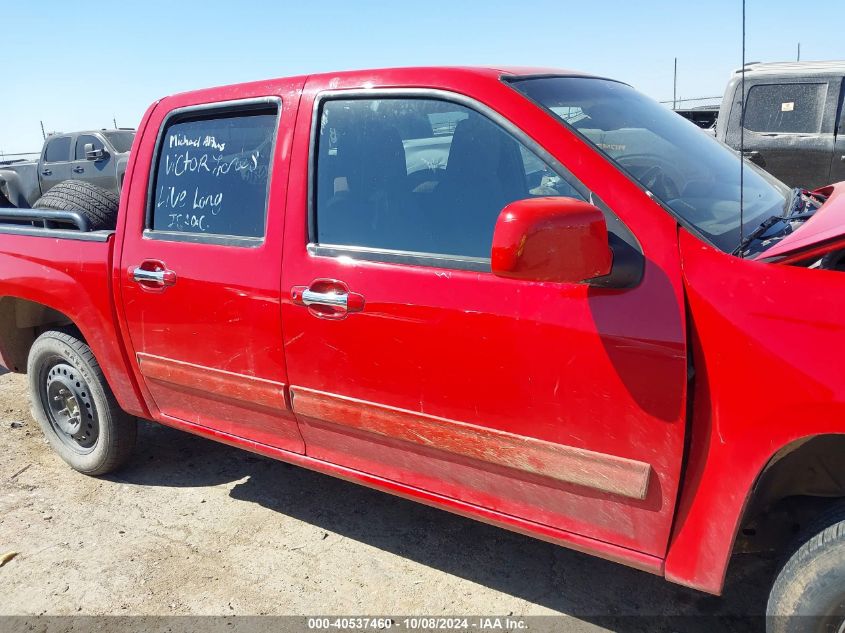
x: 48, y: 217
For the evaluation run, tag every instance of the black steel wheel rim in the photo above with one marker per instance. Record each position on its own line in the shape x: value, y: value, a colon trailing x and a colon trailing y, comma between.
x: 69, y: 406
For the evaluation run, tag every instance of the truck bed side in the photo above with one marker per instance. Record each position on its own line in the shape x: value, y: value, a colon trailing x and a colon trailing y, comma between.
x: 53, y: 278
x: 19, y: 184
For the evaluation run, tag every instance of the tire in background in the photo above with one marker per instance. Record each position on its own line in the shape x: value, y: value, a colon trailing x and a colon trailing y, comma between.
x: 809, y: 592
x: 95, y: 203
x: 64, y: 376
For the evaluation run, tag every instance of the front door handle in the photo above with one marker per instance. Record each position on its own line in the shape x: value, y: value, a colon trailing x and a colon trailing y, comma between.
x: 327, y: 299
x: 152, y: 275
x: 78, y: 170
x: 47, y: 172
x: 755, y: 157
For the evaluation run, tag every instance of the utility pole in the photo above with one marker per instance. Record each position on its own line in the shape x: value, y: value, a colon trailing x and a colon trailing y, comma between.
x: 43, y: 133
x: 675, y: 87
x: 114, y: 120
x: 799, y: 52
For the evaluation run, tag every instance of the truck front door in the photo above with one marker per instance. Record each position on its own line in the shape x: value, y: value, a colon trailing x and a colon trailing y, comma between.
x: 789, y: 127
x: 98, y: 172
x: 837, y: 164
x: 200, y: 266
x: 559, y: 404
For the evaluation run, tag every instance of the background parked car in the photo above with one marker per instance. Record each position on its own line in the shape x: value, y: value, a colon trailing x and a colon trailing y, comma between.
x: 98, y: 157
x: 794, y: 120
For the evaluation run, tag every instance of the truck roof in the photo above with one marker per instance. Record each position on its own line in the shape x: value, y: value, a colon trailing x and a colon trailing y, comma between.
x: 99, y: 131
x: 384, y: 76
x: 835, y: 67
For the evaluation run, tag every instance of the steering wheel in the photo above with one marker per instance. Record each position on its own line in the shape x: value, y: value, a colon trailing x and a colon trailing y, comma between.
x: 656, y: 181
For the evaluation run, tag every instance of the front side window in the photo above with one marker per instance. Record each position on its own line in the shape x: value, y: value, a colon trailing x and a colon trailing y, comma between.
x: 58, y: 150
x: 688, y: 170
x: 121, y: 141
x: 83, y: 140
x: 419, y: 175
x: 212, y: 173
x: 785, y: 108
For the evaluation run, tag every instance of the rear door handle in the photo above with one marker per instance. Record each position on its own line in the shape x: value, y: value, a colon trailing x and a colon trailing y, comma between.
x: 47, y: 172
x: 78, y: 170
x: 327, y: 299
x: 152, y: 275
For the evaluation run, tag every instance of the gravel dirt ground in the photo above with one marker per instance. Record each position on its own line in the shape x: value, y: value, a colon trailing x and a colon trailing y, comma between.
x: 196, y: 527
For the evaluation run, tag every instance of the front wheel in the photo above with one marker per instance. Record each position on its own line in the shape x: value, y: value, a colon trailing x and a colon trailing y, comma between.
x: 75, y: 407
x: 809, y: 593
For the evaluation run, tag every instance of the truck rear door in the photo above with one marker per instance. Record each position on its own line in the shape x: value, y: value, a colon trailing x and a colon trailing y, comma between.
x: 56, y: 165
x: 200, y: 264
x: 789, y: 127
x: 559, y: 404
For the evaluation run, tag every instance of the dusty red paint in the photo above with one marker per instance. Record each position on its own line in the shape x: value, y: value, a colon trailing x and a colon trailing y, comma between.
x: 606, y: 473
x: 608, y: 551
x: 246, y: 390
x: 567, y: 397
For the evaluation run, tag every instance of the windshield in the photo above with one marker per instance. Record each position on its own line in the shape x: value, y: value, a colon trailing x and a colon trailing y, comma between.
x: 121, y: 141
x: 689, y: 171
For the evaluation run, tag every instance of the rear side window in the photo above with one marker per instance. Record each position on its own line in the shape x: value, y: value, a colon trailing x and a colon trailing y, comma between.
x: 58, y: 149
x: 785, y: 108
x: 81, y: 141
x: 419, y: 175
x: 212, y: 174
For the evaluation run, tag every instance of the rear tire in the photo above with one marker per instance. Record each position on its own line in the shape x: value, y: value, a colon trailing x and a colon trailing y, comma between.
x: 809, y: 593
x: 75, y: 407
x: 98, y: 205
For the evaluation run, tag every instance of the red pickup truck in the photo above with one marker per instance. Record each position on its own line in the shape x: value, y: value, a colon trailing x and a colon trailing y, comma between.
x: 529, y: 296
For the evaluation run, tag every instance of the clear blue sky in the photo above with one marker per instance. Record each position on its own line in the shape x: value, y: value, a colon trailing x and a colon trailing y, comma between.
x: 77, y: 65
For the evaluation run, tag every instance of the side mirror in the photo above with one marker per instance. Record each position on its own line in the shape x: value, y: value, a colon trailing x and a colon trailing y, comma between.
x: 94, y: 154
x: 551, y: 239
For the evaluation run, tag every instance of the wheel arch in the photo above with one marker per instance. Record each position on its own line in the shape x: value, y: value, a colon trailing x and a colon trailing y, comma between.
x: 731, y: 494
x: 797, y: 484
x: 23, y: 319
x: 21, y: 322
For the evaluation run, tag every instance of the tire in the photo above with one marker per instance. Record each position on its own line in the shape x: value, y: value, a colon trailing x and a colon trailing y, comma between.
x: 98, y: 205
x: 75, y: 407
x: 808, y: 595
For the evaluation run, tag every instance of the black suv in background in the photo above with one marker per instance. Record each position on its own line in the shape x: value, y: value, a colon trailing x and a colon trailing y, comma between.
x: 794, y: 120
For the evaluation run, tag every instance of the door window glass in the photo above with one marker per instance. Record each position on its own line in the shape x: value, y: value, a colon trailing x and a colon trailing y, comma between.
x: 785, y: 108
x: 121, y: 141
x: 212, y: 174
x: 420, y: 175
x: 58, y: 149
x: 82, y: 140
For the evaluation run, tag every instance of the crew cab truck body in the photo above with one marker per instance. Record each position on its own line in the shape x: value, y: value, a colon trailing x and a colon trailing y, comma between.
x: 486, y: 290
x: 98, y: 157
x: 794, y: 121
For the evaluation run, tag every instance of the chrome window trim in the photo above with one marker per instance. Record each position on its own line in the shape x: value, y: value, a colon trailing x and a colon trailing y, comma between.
x: 410, y: 258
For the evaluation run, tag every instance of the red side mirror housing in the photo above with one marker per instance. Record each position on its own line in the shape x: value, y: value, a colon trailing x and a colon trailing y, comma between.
x: 551, y: 239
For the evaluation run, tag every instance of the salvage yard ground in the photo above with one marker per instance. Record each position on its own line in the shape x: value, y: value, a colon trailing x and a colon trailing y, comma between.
x: 195, y: 527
